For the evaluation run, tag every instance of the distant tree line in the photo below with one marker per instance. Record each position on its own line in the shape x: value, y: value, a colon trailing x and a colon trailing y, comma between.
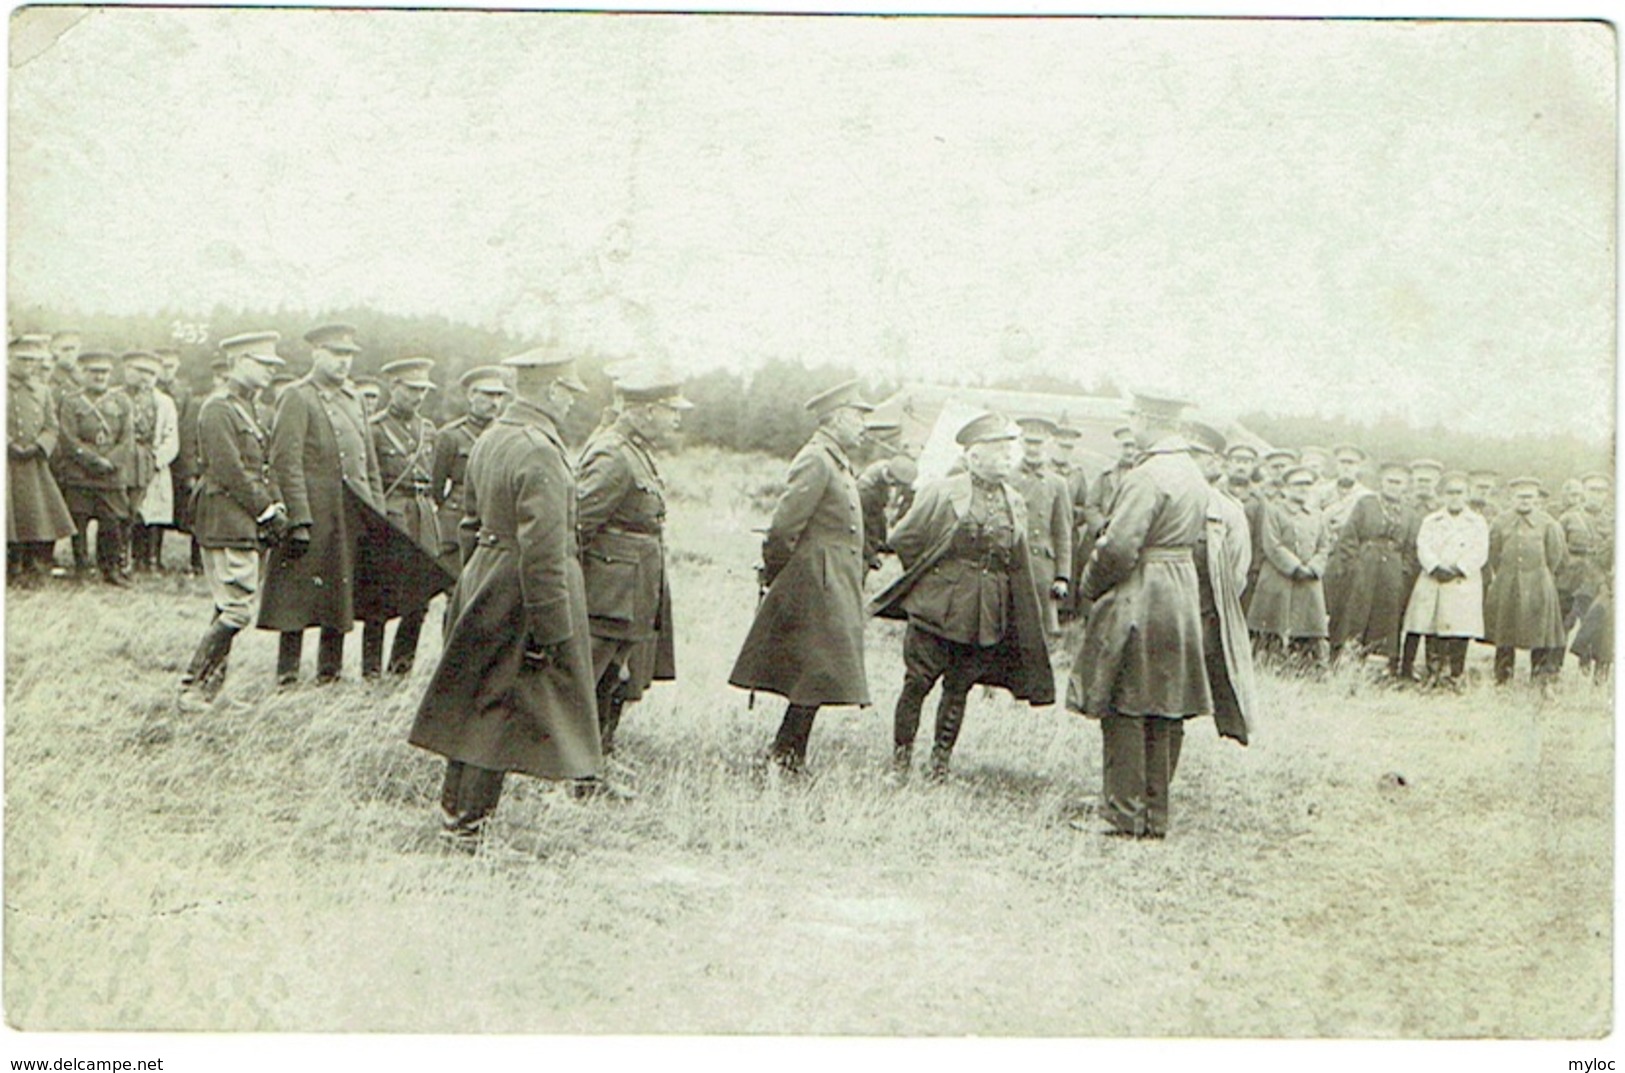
x: 762, y: 410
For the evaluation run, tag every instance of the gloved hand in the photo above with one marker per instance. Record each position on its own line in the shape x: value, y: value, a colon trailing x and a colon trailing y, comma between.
x: 540, y: 657
x: 1059, y: 590
x: 101, y: 466
x: 297, y: 543
x: 277, y: 526
x: 25, y: 451
x: 1442, y: 573
x: 1302, y: 573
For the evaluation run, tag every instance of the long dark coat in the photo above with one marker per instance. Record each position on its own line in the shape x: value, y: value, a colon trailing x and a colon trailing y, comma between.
x: 1522, y: 610
x: 923, y: 536
x: 1283, y: 605
x: 806, y: 642
x: 521, y: 587
x: 317, y: 589
x: 1371, y: 573
x: 35, y: 510
x: 1049, y: 533
x: 1142, y: 649
x: 448, y: 470
x: 620, y: 523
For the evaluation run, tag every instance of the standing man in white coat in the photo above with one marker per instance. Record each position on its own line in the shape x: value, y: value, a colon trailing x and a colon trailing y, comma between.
x: 157, y: 443
x: 1447, y: 602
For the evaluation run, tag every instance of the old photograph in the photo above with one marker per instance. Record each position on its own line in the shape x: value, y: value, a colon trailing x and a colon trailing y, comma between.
x: 675, y: 524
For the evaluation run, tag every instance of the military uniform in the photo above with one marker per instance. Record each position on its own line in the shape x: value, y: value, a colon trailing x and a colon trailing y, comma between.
x: 1290, y: 604
x: 157, y: 442
x: 97, y: 433
x: 36, y: 515
x: 1049, y: 534
x: 447, y: 472
x: 1447, y: 599
x: 236, y: 504
x: 1527, y: 552
x: 514, y: 688
x: 1372, y: 570
x: 1140, y: 670
x: 404, y: 442
x: 621, y: 522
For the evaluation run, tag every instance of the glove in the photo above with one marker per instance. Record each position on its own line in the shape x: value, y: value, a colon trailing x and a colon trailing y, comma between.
x: 540, y: 657
x: 1442, y: 573
x: 297, y: 543
x: 1059, y: 590
x: 1302, y: 573
x: 277, y: 526
x: 102, y: 466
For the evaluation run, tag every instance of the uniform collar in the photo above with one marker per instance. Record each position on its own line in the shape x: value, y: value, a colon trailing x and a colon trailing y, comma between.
x: 833, y: 446
x: 525, y: 412
x: 1170, y: 444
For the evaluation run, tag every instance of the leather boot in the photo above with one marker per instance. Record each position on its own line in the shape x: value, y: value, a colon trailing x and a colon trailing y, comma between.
x: 288, y: 649
x: 950, y: 714
x: 372, y: 649
x: 205, y: 674
x: 403, y: 650
x: 906, y: 722
x: 80, y: 544
x: 789, y: 750
x: 609, y: 707
x: 329, y: 656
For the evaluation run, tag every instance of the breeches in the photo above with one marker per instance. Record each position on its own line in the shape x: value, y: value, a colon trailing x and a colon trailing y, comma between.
x: 233, y: 575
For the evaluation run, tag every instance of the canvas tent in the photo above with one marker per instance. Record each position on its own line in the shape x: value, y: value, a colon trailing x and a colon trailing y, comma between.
x: 930, y: 415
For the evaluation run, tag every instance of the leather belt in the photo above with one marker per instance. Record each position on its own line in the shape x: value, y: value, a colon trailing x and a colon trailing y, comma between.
x: 1164, y: 554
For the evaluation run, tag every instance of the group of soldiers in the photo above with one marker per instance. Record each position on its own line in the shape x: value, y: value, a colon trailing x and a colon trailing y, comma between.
x: 313, y: 506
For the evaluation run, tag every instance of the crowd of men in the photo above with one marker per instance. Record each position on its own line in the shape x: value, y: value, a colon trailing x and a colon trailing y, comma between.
x: 321, y: 500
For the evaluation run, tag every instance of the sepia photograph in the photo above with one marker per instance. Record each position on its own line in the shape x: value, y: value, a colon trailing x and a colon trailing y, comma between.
x: 779, y: 526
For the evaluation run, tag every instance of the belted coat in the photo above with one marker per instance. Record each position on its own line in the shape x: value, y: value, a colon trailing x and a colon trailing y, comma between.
x: 1142, y: 648
x: 521, y: 588
x: 806, y: 641
x: 236, y: 487
x: 1283, y: 605
x: 1371, y: 573
x: 1453, y: 608
x: 921, y: 539
x: 35, y: 510
x: 1522, y: 610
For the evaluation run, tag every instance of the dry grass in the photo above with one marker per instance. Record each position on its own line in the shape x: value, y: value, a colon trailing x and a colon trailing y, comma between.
x: 270, y: 865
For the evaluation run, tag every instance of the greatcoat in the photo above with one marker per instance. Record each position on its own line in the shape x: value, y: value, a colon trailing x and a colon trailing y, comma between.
x: 314, y: 457
x: 521, y: 588
x: 1522, y: 609
x: 1285, y: 606
x: 620, y: 524
x: 35, y: 510
x: 928, y: 584
x: 1371, y: 573
x: 806, y: 642
x: 1453, y: 608
x: 1142, y: 648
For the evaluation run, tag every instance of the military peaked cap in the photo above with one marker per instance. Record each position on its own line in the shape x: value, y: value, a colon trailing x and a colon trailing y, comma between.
x: 413, y: 372
x: 339, y: 338
x: 985, y: 428
x: 842, y: 394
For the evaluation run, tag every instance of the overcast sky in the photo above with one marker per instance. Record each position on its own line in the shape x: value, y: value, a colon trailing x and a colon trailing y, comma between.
x: 1344, y: 217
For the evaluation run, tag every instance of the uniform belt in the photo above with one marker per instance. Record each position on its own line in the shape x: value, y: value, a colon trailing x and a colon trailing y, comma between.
x: 1166, y: 554
x: 416, y: 488
x: 488, y: 539
x: 989, y: 560
x: 632, y: 530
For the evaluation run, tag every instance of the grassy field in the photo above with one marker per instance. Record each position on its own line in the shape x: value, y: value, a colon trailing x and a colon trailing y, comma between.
x: 1376, y: 864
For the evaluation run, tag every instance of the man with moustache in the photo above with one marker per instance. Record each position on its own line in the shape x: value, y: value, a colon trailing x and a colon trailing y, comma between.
x: 157, y: 443
x: 966, y: 590
x: 98, y: 438
x: 239, y: 508
x: 1288, y: 612
x: 806, y: 641
x: 320, y: 445
x: 1527, y: 552
x: 514, y: 687
x: 65, y: 380
x: 1447, y: 601
x: 620, y: 526
x: 486, y: 391
x: 1048, y: 516
x: 1374, y: 565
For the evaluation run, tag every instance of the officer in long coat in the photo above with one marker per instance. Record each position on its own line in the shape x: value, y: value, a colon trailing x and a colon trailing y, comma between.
x: 1290, y: 604
x: 1064, y: 461
x: 237, y: 508
x: 514, y: 687
x: 403, y: 440
x: 966, y: 590
x: 97, y: 440
x: 36, y: 515
x: 1584, y: 540
x: 1344, y: 491
x: 320, y: 445
x: 1103, y: 489
x: 1447, y: 600
x: 1140, y: 670
x: 1374, y: 564
x: 485, y: 390
x: 1049, y: 518
x: 620, y: 525
x: 1522, y: 610
x: 806, y: 641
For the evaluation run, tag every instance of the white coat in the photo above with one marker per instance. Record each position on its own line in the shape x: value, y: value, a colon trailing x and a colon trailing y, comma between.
x: 158, y: 504
x: 1450, y: 608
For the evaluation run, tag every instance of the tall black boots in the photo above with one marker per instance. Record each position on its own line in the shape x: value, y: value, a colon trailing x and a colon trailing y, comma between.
x: 206, y: 674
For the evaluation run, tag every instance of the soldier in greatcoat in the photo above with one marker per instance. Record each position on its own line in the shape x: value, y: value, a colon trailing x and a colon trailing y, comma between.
x: 1584, y: 539
x: 1140, y: 670
x: 620, y: 525
x: 1447, y: 601
x: 1222, y: 558
x: 1063, y: 459
x: 1345, y: 490
x: 320, y: 445
x: 157, y: 443
x: 1267, y: 490
x: 238, y: 508
x: 806, y: 641
x: 1374, y: 566
x: 1593, y: 642
x: 97, y: 440
x: 403, y: 440
x: 1522, y: 610
x: 1289, y: 609
x: 514, y: 687
x: 1049, y: 519
x: 966, y: 590
x: 485, y: 390
x: 36, y: 515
